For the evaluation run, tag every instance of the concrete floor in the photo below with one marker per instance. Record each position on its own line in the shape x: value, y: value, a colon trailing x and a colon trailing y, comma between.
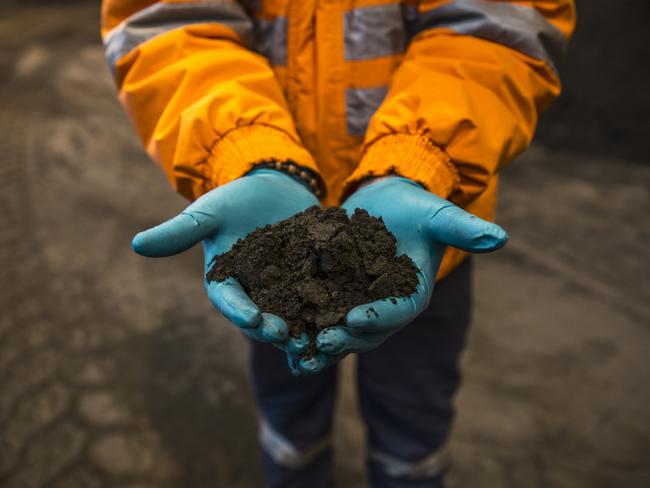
x: 116, y: 372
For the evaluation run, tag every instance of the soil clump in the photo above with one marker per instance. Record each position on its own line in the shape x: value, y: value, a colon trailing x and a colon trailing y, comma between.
x: 314, y: 267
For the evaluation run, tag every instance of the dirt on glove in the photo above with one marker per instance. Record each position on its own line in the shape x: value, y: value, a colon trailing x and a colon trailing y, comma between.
x: 314, y: 267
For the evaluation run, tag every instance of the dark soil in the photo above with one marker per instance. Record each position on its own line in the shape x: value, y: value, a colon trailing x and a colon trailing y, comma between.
x: 316, y: 266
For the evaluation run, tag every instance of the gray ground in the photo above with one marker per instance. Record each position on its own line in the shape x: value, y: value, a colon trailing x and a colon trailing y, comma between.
x: 116, y: 372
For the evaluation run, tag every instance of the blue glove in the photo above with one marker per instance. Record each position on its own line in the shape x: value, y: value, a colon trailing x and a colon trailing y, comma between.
x: 219, y: 219
x: 423, y: 225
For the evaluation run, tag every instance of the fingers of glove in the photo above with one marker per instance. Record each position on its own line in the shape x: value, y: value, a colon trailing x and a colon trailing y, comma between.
x: 294, y: 345
x: 232, y: 301
x: 177, y: 234
x: 273, y: 329
x: 456, y: 227
x: 292, y: 361
x: 298, y: 345
x: 317, y: 363
x: 341, y: 340
x: 253, y: 335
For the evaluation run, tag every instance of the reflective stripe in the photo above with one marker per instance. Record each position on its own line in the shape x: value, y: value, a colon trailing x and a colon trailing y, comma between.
x: 164, y: 17
x: 515, y: 26
x: 372, y: 32
x: 271, y: 39
x: 360, y: 105
x: 428, y: 467
x: 283, y: 452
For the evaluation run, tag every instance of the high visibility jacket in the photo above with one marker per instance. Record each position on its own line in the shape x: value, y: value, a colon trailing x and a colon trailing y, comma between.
x: 444, y: 92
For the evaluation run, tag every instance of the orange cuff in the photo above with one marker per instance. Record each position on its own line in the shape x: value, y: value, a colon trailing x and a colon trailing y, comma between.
x: 412, y: 156
x: 237, y: 152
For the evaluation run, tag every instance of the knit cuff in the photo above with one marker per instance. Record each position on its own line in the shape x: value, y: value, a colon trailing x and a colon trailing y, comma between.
x: 241, y: 149
x: 413, y: 156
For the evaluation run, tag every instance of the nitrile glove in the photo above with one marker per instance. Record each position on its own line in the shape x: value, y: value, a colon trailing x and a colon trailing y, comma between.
x: 423, y: 225
x: 220, y: 218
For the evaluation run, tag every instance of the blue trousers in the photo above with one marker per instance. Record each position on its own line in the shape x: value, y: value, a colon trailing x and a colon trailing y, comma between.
x: 406, y: 387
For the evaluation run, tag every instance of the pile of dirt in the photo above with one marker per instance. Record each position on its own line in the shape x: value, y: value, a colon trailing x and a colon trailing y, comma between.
x: 314, y: 267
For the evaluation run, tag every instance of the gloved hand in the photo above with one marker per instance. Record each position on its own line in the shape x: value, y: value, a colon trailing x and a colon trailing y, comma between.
x: 220, y: 218
x: 423, y: 225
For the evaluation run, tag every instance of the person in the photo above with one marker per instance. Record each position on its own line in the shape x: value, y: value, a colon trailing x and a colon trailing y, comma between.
x: 259, y: 109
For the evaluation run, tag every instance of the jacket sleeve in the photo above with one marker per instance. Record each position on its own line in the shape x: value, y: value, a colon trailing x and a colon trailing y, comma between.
x: 467, y: 96
x: 205, y: 105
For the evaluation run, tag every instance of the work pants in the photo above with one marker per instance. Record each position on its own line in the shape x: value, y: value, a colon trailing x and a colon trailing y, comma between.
x: 406, y: 388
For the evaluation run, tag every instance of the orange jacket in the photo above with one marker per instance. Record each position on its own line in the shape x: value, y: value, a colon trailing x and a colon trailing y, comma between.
x: 444, y: 92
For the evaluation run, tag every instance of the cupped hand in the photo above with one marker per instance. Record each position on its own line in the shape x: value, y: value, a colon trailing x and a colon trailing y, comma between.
x: 220, y: 218
x: 423, y: 225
